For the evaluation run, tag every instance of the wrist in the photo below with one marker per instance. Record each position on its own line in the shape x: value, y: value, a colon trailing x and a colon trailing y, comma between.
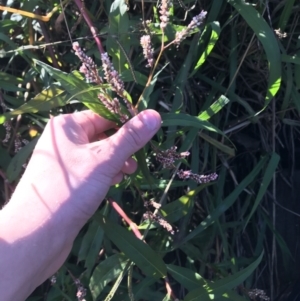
x: 34, y: 242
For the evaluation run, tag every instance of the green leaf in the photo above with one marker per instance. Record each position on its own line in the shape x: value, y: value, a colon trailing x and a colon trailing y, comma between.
x: 214, y: 108
x: 145, y: 97
x: 16, y: 164
x: 216, y: 84
x: 186, y: 277
x: 214, y: 37
x: 210, y: 292
x: 181, y: 79
x: 105, y: 272
x: 118, y: 29
x: 266, y: 36
x: 227, y: 202
x: 173, y: 119
x: 285, y: 14
x: 48, y: 99
x: 4, y: 158
x: 10, y: 83
x: 76, y: 86
x: 142, y: 166
x: 294, y: 59
x: 69, y: 82
x: 142, y: 290
x: 173, y: 211
x: 297, y: 67
x: 9, y: 42
x: 268, y: 176
x: 219, y: 145
x: 138, y: 251
x: 91, y: 242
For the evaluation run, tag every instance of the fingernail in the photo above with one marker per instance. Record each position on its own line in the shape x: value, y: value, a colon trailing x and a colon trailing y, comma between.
x: 151, y: 120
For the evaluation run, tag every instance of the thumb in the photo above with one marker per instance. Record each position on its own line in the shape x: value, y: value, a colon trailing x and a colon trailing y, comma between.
x: 133, y: 135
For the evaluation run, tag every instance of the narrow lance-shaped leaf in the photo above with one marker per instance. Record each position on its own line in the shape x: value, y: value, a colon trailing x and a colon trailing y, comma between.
x: 50, y: 98
x: 106, y: 271
x: 266, y: 36
x: 16, y: 164
x: 229, y: 201
x: 268, y: 175
x: 173, y: 119
x: 213, y: 290
x: 214, y: 36
x: 138, y: 251
x: 214, y: 108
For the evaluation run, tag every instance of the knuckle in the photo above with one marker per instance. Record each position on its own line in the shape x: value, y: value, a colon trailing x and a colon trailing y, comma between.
x: 133, y: 137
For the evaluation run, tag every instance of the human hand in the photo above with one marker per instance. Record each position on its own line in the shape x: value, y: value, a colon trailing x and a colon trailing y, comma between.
x: 75, y: 163
x: 65, y: 181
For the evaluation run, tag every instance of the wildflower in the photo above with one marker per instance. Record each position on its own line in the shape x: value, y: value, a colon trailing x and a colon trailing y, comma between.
x: 147, y: 50
x: 88, y: 68
x: 169, y: 156
x: 81, y: 291
x: 158, y: 219
x: 153, y: 204
x: 258, y: 293
x: 196, y: 22
x: 112, y: 77
x: 18, y: 143
x: 7, y: 127
x: 113, y: 106
x: 200, y: 179
x: 164, y: 13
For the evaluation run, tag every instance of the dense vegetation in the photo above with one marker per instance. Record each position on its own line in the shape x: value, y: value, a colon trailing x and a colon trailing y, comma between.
x: 228, y: 94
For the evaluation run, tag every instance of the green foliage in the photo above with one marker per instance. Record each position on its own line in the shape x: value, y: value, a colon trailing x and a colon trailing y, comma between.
x: 214, y: 93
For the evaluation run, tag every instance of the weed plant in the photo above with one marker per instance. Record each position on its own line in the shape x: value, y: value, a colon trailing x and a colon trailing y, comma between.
x: 193, y: 222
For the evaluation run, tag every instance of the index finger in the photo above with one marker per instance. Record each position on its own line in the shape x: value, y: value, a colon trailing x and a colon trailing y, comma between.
x: 92, y: 124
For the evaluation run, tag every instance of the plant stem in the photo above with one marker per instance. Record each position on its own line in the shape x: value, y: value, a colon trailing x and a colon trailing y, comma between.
x: 131, y: 224
x: 152, y: 71
x: 90, y: 25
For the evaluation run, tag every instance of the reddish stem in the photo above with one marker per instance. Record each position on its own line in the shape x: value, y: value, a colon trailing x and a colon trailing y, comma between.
x: 90, y: 25
x: 131, y: 224
x: 169, y: 289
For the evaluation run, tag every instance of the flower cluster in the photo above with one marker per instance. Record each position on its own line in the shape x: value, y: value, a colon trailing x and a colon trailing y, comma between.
x: 7, y: 127
x: 153, y: 204
x: 18, y: 143
x: 200, y: 179
x: 112, y: 77
x: 147, y: 50
x: 81, y: 291
x: 254, y: 293
x: 88, y: 67
x: 164, y: 13
x: 168, y: 158
x: 196, y: 22
x: 113, y: 106
x: 158, y: 219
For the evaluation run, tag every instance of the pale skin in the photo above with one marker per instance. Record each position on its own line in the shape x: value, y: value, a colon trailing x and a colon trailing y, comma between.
x: 71, y: 169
